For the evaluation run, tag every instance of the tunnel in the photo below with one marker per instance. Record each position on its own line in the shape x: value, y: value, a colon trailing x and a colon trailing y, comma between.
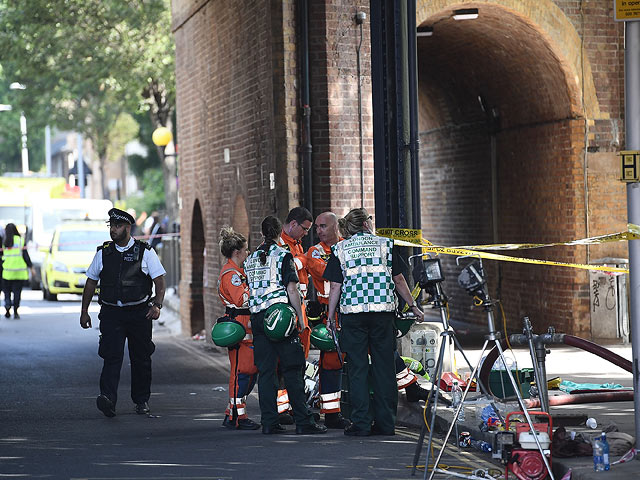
x: 502, y: 134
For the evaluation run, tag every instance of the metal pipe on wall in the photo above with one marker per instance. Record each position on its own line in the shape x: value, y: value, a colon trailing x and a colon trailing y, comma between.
x: 305, y: 126
x: 632, y: 134
x: 360, y: 17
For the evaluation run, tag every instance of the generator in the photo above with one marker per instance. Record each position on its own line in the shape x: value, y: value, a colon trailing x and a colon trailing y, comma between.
x: 517, y: 449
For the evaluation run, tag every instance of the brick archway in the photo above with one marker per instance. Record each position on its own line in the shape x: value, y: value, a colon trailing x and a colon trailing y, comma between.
x: 503, y: 122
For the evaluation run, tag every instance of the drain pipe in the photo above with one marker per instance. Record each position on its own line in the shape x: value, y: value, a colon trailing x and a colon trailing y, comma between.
x: 360, y: 18
x: 306, y: 148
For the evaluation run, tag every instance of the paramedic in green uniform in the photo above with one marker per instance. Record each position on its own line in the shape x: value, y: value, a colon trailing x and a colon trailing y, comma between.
x: 364, y: 271
x: 272, y: 278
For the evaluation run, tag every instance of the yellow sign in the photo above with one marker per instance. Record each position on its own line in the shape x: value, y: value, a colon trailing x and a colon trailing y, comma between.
x: 630, y: 163
x: 627, y: 10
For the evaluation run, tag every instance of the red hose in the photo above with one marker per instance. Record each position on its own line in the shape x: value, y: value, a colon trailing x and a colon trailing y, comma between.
x: 582, y: 344
x: 613, y: 396
x: 599, y: 351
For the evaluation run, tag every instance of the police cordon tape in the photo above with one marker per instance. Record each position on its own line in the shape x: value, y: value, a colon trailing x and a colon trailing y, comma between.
x: 409, y: 237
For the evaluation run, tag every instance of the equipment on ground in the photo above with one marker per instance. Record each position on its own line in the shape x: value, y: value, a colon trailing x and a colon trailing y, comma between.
x: 321, y: 338
x: 522, y: 457
x: 227, y: 332
x: 279, y: 321
x: 472, y: 279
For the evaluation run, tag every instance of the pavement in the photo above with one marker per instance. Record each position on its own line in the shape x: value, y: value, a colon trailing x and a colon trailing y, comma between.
x: 565, y: 362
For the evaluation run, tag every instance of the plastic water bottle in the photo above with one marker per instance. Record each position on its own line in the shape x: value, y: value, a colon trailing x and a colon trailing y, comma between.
x: 480, y: 445
x: 456, y: 399
x: 601, y: 454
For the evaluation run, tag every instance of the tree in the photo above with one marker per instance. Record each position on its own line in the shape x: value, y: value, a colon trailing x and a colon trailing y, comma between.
x: 85, y: 62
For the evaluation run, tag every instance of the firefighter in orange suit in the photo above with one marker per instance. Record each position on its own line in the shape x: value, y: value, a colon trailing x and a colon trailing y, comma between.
x: 234, y: 293
x: 326, y: 225
x: 296, y: 226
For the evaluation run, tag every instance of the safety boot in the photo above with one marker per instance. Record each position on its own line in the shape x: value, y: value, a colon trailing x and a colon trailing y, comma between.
x: 415, y: 393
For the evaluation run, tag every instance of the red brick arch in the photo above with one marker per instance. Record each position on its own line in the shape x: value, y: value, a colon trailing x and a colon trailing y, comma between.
x: 502, y: 132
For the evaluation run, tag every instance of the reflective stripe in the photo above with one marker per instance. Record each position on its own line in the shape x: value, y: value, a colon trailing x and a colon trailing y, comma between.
x: 327, y: 397
x: 330, y: 407
x: 298, y: 263
x: 248, y: 338
x: 404, y: 378
x: 283, y: 401
x: 327, y: 288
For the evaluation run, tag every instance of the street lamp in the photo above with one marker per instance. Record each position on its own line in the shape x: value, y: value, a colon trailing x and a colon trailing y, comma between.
x: 23, y: 132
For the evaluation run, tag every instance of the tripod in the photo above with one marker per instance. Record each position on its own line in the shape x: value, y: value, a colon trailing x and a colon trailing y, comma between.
x: 448, y: 337
x: 472, y: 279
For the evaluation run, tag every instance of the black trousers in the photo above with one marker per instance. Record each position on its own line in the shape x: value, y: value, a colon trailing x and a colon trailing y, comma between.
x: 288, y: 356
x: 10, y: 287
x: 364, y: 333
x: 117, y: 325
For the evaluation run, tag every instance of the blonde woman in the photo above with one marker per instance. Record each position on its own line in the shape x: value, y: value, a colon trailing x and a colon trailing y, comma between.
x: 364, y: 270
x: 234, y: 294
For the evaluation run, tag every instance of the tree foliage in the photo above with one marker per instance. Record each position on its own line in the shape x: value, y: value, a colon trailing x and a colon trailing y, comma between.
x: 85, y: 62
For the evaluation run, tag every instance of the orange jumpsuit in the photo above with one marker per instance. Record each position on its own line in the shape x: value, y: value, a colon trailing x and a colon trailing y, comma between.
x: 300, y: 260
x: 330, y: 364
x: 234, y: 293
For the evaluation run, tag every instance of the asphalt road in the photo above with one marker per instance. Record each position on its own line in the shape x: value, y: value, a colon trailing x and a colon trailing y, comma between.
x: 50, y: 427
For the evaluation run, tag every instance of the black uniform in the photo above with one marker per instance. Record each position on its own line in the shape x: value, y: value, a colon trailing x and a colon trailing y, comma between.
x: 122, y: 279
x: 288, y: 357
x: 364, y: 333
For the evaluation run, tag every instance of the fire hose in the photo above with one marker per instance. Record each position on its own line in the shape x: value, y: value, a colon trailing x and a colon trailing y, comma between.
x: 577, y: 342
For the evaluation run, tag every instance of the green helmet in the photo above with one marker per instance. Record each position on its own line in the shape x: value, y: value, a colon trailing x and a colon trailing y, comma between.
x: 322, y: 339
x: 227, y: 333
x: 279, y: 321
x: 402, y: 325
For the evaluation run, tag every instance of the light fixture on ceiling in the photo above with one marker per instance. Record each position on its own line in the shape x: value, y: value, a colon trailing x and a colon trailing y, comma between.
x: 424, y: 31
x: 465, y: 14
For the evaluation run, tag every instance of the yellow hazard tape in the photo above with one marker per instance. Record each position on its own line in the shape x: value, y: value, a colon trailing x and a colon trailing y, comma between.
x: 633, y: 233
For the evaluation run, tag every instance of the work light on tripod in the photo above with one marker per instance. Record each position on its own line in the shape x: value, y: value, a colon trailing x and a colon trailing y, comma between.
x: 427, y: 273
x: 472, y: 279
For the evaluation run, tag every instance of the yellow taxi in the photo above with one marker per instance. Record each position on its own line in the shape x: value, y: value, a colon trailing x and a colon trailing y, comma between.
x: 69, y: 256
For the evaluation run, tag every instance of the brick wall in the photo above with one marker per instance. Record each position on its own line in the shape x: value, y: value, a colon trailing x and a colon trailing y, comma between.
x: 334, y: 38
x: 235, y: 74
x: 545, y: 78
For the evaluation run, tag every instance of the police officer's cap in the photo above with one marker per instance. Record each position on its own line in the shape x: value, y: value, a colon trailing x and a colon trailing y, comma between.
x: 120, y: 216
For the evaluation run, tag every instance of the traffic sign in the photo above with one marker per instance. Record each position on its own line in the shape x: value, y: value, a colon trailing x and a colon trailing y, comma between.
x: 626, y: 10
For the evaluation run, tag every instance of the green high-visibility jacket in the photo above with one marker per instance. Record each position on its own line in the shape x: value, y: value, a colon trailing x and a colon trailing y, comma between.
x: 13, y: 265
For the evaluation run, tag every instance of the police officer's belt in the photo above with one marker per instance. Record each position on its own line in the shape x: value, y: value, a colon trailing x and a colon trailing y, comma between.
x: 127, y: 307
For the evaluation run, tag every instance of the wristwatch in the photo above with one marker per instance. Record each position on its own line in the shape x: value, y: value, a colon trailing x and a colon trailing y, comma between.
x: 159, y: 305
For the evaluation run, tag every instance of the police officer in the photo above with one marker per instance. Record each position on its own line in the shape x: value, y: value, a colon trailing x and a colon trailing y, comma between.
x: 364, y: 271
x: 272, y: 279
x: 126, y: 269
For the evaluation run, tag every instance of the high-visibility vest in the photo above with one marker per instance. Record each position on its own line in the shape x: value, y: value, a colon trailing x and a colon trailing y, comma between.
x: 265, y: 280
x: 366, y: 265
x: 13, y: 265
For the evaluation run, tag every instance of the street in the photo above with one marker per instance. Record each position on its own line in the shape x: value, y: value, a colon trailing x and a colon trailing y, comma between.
x: 50, y: 426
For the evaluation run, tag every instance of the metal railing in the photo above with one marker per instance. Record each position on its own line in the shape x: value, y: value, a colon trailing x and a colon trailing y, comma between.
x: 169, y: 253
